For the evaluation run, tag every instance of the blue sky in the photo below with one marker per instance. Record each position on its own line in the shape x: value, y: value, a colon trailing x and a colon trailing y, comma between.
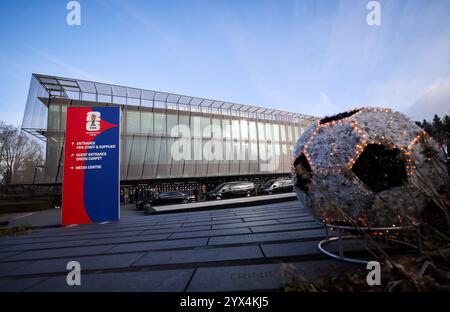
x: 314, y: 57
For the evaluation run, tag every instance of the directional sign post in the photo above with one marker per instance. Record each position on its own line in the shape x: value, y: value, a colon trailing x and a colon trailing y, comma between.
x: 91, y: 165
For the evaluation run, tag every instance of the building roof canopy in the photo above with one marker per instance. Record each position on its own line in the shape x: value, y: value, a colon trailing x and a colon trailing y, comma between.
x: 76, y: 88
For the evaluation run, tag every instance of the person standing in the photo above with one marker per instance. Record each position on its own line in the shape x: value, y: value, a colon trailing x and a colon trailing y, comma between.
x: 125, y: 195
x: 202, y: 193
x: 136, y: 195
x: 195, y: 192
x: 58, y: 199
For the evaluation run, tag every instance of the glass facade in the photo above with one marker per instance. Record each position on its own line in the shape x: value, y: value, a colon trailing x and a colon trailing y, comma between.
x: 165, y: 136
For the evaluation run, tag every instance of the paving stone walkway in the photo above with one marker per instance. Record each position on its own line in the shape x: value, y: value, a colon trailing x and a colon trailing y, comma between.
x: 216, y: 250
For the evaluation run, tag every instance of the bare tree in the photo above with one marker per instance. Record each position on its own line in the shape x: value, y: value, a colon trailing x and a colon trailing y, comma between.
x: 17, y: 153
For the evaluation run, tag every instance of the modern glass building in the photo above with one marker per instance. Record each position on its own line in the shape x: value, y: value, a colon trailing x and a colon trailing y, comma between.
x: 217, y: 140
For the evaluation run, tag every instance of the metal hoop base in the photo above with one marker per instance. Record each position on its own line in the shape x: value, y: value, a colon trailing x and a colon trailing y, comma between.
x: 339, y: 238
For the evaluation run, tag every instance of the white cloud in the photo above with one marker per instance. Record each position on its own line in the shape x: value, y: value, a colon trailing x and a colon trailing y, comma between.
x: 326, y: 106
x: 71, y: 70
x: 435, y: 99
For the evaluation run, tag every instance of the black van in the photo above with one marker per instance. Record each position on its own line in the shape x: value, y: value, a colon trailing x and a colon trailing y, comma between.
x: 276, y: 186
x: 232, y: 189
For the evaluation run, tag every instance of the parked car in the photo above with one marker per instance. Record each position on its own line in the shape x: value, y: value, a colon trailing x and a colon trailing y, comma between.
x: 173, y: 197
x: 276, y: 186
x: 232, y: 189
x: 144, y: 204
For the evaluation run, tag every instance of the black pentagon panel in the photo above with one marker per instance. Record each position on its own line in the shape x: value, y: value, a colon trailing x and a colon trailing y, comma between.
x: 338, y: 116
x: 303, y: 172
x: 380, y: 168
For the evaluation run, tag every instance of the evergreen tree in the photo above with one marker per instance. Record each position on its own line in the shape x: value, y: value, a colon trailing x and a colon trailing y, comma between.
x: 437, y: 123
x: 427, y: 127
x: 439, y: 128
x: 446, y: 122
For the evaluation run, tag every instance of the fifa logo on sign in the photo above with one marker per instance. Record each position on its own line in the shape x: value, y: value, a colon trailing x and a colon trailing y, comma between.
x: 93, y: 121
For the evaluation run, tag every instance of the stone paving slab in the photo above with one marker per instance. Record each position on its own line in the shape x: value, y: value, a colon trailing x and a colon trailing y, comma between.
x: 123, y: 230
x: 210, y: 233
x: 7, y: 254
x: 307, y: 248
x: 178, y: 230
x: 64, y: 233
x: 98, y: 262
x: 243, y: 224
x: 50, y: 239
x: 286, y: 227
x: 266, y: 237
x: 170, y: 244
x: 260, y: 277
x: 19, y: 284
x: 275, y: 216
x: 200, y: 255
x: 7, y: 267
x: 212, y: 223
x: 154, y: 281
x: 38, y: 246
x: 130, y: 239
x: 61, y: 252
x: 295, y: 219
x: 291, y: 249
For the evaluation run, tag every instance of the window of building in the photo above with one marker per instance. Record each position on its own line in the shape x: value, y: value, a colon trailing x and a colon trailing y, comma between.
x: 183, y: 120
x: 159, y: 124
x: 205, y: 125
x: 283, y: 133
x: 146, y: 123
x: 54, y: 116
x: 269, y: 135
x: 196, y: 127
x: 252, y: 131
x: 261, y: 131
x: 290, y: 137
x: 226, y: 128
x: 172, y: 123
x: 216, y: 128
x: 133, y: 122
x: 63, y: 116
x: 235, y: 129
x: 244, y: 129
x: 276, y: 132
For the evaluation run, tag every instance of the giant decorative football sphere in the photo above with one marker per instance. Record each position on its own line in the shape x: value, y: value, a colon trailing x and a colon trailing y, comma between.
x: 368, y: 167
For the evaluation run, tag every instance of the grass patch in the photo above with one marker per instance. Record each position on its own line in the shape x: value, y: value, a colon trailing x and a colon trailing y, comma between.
x: 17, y: 230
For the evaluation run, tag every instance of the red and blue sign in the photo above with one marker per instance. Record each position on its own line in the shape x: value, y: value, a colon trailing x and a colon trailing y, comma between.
x: 91, y: 165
